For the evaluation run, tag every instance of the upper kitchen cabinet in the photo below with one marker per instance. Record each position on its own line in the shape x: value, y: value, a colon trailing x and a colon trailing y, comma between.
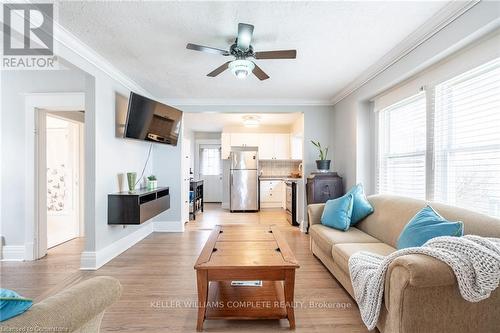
x: 244, y: 139
x: 296, y: 147
x: 266, y: 146
x: 272, y: 146
x: 281, y: 146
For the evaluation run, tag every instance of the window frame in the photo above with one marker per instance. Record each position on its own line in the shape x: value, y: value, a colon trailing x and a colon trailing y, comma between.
x: 430, y: 92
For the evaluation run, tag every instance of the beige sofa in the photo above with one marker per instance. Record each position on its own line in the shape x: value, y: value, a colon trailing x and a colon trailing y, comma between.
x: 421, y: 293
x: 77, y: 309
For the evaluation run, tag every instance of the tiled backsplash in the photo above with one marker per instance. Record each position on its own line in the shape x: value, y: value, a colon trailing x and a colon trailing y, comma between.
x: 278, y: 168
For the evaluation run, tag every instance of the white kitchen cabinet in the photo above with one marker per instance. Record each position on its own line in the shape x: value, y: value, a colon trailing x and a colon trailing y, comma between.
x: 272, y: 146
x: 272, y: 193
x: 266, y: 146
x: 225, y: 145
x: 296, y: 147
x: 244, y: 139
x: 281, y: 146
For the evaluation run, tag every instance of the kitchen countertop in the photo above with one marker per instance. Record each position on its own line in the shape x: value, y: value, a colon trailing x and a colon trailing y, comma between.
x: 284, y: 178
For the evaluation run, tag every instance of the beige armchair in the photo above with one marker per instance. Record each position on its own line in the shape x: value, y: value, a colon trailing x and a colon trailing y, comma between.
x: 77, y: 309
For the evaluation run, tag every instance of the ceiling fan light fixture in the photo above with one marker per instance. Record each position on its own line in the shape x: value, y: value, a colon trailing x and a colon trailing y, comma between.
x: 251, y: 121
x: 241, y: 68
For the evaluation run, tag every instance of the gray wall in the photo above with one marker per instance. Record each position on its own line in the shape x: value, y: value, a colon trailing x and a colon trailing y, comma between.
x: 353, y: 122
x: 317, y: 126
x: 15, y: 84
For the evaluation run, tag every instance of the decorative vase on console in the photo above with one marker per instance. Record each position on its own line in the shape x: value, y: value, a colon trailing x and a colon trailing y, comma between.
x: 322, y: 164
x: 131, y: 178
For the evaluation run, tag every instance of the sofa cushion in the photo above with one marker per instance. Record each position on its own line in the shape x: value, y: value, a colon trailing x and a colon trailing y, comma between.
x: 425, y: 225
x: 361, y: 208
x: 342, y: 252
x: 325, y: 237
x: 337, y: 212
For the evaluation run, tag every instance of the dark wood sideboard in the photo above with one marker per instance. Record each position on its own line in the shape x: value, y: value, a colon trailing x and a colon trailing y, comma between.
x: 138, y: 206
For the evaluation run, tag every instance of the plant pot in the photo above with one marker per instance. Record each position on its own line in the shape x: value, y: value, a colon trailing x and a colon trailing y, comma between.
x: 152, y: 184
x: 323, y: 165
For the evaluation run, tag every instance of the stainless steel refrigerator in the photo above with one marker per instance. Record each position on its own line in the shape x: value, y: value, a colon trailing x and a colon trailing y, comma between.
x: 244, y: 179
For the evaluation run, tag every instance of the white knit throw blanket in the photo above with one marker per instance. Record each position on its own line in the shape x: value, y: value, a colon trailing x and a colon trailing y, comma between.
x: 474, y: 260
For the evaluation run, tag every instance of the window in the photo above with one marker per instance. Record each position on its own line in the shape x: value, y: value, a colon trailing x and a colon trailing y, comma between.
x: 467, y: 140
x: 210, y: 160
x: 450, y: 151
x: 402, y: 146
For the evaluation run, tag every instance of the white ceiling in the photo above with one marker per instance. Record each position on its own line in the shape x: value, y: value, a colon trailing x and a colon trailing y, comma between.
x: 215, y: 122
x: 335, y: 42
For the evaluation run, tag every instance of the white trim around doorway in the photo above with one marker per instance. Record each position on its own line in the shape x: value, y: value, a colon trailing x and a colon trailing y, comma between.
x: 33, y: 103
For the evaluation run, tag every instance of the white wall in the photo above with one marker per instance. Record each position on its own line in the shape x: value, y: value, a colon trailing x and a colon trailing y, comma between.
x: 317, y: 126
x: 15, y: 84
x: 106, y: 156
x: 353, y: 123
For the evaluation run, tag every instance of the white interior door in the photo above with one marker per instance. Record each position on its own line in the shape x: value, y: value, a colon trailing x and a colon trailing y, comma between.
x: 211, y: 172
x: 62, y: 172
x: 186, y: 165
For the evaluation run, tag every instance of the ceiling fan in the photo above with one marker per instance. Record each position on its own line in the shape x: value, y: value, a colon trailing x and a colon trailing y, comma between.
x: 242, y: 50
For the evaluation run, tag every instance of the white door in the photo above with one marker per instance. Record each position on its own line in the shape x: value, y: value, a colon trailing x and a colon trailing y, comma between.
x: 211, y: 172
x: 185, y: 165
x: 63, y: 193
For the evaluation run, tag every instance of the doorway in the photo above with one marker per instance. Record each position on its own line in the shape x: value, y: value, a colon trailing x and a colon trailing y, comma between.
x: 210, y: 171
x: 64, y: 185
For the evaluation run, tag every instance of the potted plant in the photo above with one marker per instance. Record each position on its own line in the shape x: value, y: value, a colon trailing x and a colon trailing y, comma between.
x: 322, y: 164
x: 152, y: 183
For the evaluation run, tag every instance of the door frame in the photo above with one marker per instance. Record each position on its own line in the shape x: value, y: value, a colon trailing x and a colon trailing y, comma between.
x: 79, y: 121
x: 198, y: 144
x: 35, y: 106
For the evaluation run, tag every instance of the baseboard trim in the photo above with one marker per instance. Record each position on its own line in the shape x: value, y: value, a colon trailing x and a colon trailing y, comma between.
x: 168, y: 226
x: 94, y: 260
x: 13, y: 253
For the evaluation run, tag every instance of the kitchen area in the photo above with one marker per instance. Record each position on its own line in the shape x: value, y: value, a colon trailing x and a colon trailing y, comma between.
x: 261, y: 160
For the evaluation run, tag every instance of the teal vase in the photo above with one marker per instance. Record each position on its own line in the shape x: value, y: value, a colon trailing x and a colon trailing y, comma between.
x: 131, y: 178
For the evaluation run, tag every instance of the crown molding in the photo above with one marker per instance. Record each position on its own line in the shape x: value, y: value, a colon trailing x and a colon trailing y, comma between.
x: 82, y: 50
x: 436, y: 23
x: 244, y: 102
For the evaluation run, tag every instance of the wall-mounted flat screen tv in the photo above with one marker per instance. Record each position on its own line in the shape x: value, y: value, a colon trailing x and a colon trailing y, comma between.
x: 152, y: 121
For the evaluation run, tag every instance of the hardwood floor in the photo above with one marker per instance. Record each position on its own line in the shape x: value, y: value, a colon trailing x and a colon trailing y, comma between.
x: 160, y: 283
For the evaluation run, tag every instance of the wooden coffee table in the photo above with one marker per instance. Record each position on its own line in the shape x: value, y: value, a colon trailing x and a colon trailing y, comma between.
x: 243, y: 253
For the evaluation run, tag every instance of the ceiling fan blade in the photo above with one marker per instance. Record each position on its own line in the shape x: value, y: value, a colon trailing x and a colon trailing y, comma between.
x: 207, y: 49
x: 219, y: 69
x: 261, y: 75
x: 283, y: 54
x: 245, y: 32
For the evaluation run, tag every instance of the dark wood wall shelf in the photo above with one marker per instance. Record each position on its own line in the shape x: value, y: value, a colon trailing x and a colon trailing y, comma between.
x: 138, y: 206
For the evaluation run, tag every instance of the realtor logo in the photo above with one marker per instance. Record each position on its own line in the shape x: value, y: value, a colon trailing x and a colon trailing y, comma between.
x: 28, y: 36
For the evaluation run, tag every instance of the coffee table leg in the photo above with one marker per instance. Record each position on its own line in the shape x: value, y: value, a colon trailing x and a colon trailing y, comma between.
x: 289, y: 289
x: 202, y: 282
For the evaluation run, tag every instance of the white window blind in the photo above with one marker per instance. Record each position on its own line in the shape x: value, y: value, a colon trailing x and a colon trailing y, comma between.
x: 467, y: 140
x: 402, y: 148
x: 210, y: 161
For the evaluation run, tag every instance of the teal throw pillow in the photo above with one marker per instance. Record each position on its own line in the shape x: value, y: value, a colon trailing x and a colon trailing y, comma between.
x: 425, y: 225
x: 12, y: 304
x: 337, y: 212
x: 361, y: 207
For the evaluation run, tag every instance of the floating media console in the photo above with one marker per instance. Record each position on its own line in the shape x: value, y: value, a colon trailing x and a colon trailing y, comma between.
x: 137, y: 207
